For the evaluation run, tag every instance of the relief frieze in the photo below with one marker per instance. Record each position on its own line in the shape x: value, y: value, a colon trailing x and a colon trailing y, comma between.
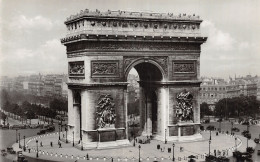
x: 105, y: 68
x: 76, y: 69
x: 133, y: 46
x: 184, y: 67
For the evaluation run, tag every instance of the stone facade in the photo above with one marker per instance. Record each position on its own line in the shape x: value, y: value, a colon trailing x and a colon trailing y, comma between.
x: 102, y: 47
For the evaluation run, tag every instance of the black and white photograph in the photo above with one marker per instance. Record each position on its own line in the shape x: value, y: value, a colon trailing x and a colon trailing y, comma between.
x: 129, y: 80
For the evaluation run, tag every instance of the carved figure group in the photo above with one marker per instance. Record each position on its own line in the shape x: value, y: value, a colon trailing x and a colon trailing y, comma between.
x: 104, y: 68
x: 184, y: 108
x: 76, y: 68
x: 105, y: 111
x: 184, y: 67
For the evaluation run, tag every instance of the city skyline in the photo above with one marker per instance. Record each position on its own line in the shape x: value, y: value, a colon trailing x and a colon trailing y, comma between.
x: 31, y: 33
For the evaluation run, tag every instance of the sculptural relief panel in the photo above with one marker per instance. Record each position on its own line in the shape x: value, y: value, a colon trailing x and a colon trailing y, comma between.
x: 184, y: 106
x: 105, y: 68
x: 184, y: 67
x: 76, y: 69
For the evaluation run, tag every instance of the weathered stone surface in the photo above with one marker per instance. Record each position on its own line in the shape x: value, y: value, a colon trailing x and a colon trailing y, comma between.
x: 164, y: 49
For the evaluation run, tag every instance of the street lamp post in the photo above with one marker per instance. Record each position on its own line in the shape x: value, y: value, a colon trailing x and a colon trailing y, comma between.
x: 232, y: 124
x: 37, y: 155
x: 247, y: 137
x: 139, y: 153
x: 59, y: 132
x: 73, y: 138
x: 24, y: 149
x: 173, y: 158
x: 236, y: 143
x: 81, y: 145
x: 66, y: 129
x: 19, y: 140
x: 165, y: 137
x: 16, y: 136
x: 209, y: 146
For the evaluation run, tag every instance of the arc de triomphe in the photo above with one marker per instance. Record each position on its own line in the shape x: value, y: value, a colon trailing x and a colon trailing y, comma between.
x: 102, y: 47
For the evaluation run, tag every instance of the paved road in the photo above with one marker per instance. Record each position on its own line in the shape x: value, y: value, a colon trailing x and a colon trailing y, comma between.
x: 254, y: 130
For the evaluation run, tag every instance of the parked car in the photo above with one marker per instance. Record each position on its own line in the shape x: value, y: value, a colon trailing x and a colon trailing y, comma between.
x: 18, y: 127
x: 244, y: 132
x: 235, y: 129
x: 43, y: 131
x: 256, y: 140
x: 10, y: 150
x: 5, y: 127
x: 210, y: 127
x: 250, y: 150
x: 34, y: 126
x: 258, y: 152
x: 50, y: 128
x: 248, y: 135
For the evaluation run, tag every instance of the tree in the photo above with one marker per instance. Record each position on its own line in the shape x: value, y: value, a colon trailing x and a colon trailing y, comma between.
x: 204, y: 110
x: 3, y: 117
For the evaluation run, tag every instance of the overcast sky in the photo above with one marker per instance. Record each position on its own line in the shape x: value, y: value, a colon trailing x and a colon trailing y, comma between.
x: 31, y: 31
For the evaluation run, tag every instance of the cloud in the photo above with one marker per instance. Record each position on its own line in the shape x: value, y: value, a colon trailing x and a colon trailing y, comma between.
x: 217, y: 39
x: 37, y: 22
x: 49, y: 57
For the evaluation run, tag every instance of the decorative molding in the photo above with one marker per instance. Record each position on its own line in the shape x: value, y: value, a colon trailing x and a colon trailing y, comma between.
x: 161, y: 60
x: 184, y: 106
x: 105, y: 68
x: 105, y: 113
x: 76, y: 69
x: 133, y: 46
x: 184, y: 67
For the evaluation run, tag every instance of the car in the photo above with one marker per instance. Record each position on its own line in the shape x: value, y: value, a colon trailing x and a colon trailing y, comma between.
x: 18, y: 127
x: 202, y: 128
x: 256, y: 140
x: 258, y: 152
x: 43, y: 131
x: 51, y: 128
x: 219, y: 120
x: 248, y: 135
x: 244, y: 132
x: 5, y: 127
x: 235, y: 129
x: 210, y: 127
x: 34, y: 126
x: 10, y: 150
x: 250, y: 150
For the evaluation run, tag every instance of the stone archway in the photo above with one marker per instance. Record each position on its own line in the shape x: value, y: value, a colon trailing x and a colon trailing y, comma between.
x: 103, y: 47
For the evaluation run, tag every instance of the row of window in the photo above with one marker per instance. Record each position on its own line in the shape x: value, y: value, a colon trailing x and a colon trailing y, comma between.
x: 213, y: 88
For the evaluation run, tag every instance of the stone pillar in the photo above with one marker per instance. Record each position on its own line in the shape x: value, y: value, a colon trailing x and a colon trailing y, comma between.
x: 126, y: 117
x: 76, y: 109
x: 162, y: 112
x: 148, y: 124
x: 88, y: 114
x: 179, y: 131
x: 142, y: 109
x: 71, y: 121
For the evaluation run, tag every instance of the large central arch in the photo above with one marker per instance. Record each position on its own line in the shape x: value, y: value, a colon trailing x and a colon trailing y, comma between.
x: 102, y: 47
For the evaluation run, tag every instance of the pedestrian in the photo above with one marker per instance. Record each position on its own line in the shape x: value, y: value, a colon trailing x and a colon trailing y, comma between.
x: 29, y: 150
x: 215, y: 153
x: 60, y: 145
x: 51, y: 144
x: 41, y: 144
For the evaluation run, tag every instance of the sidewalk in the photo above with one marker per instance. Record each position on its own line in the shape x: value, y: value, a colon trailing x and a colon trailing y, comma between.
x: 223, y: 143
